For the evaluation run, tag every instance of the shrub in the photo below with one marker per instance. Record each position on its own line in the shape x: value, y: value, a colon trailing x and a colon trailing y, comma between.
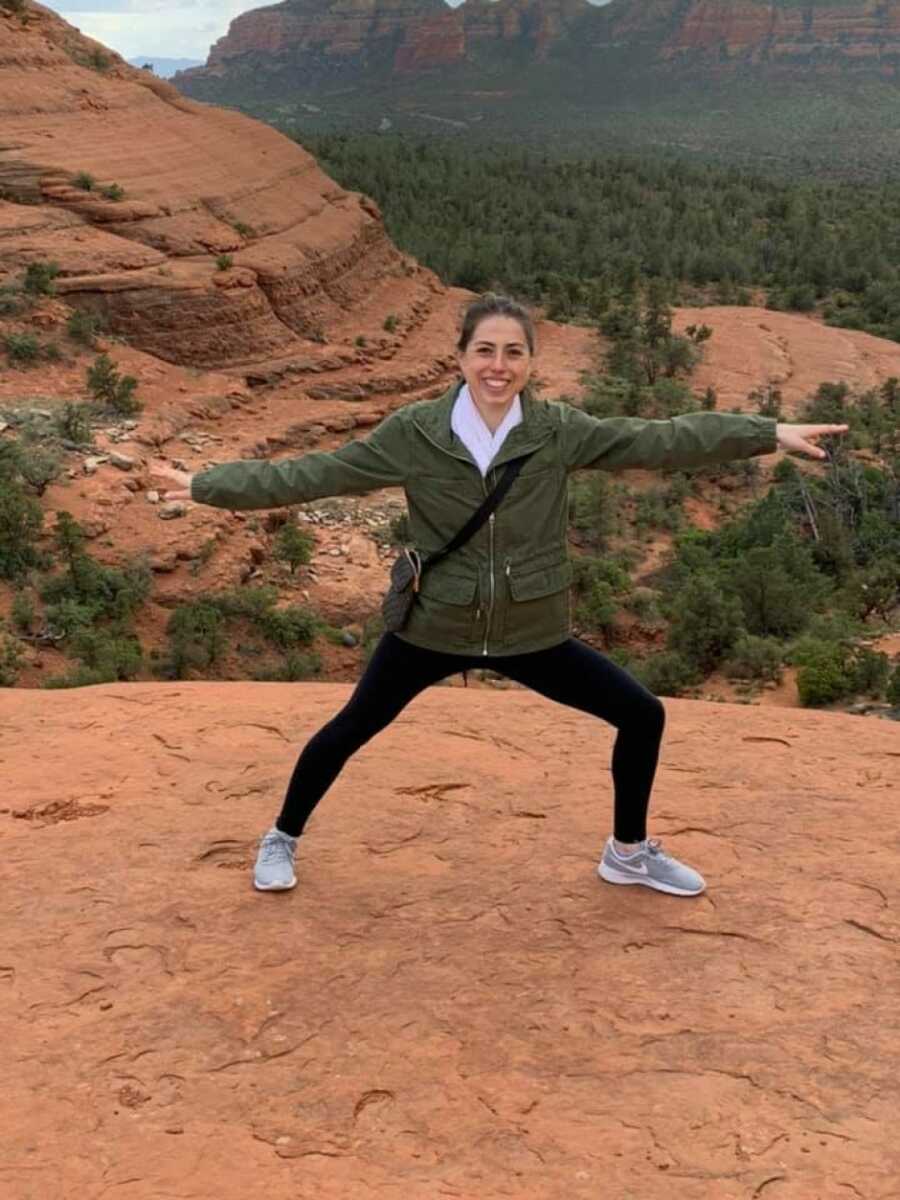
x: 99, y: 60
x: 768, y: 402
x: 83, y: 326
x: 892, y: 692
x: 224, y: 262
x: 657, y: 509
x: 800, y: 297
x: 22, y: 613
x: 250, y: 602
x: 706, y: 623
x: 594, y: 507
x: 115, y: 653
x: 111, y: 389
x: 12, y: 302
x: 293, y: 668
x: 39, y: 276
x: 67, y: 615
x: 245, y: 230
x: 288, y: 627
x: 21, y: 521
x: 360, y: 340
x: 823, y: 677
x: 769, y: 581
x: 871, y: 672
x: 79, y: 677
x: 39, y: 465
x: 11, y: 660
x: 597, y: 608
x: 196, y: 633
x: 113, y: 191
x: 666, y: 674
x: 22, y: 348
x: 72, y: 422
x: 14, y: 6
x: 113, y: 593
x: 390, y: 323
x: 754, y: 658
x: 85, y: 181
x: 293, y: 545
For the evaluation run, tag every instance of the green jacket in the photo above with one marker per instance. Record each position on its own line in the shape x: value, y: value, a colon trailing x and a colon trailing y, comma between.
x: 507, y: 590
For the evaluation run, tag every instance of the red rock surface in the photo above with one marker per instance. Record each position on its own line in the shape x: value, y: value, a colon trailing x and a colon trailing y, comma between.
x: 198, y: 183
x: 753, y: 348
x: 451, y: 1003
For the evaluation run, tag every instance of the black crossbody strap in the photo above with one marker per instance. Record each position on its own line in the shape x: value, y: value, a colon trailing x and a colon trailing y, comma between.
x: 478, y: 518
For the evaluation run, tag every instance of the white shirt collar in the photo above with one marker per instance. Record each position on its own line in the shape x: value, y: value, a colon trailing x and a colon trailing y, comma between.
x: 468, y: 425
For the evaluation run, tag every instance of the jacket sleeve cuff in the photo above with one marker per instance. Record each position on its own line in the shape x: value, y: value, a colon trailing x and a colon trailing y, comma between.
x: 768, y: 435
x: 200, y: 488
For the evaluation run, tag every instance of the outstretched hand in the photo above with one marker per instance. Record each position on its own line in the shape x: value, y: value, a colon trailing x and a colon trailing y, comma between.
x: 804, y: 437
x: 182, y: 478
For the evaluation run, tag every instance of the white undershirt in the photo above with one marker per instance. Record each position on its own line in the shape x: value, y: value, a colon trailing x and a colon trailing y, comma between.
x: 468, y: 425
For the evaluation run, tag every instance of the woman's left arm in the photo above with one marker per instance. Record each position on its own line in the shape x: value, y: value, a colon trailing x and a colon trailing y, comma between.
x: 691, y: 440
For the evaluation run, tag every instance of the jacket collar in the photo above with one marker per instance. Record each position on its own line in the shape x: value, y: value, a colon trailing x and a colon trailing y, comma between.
x: 434, y: 421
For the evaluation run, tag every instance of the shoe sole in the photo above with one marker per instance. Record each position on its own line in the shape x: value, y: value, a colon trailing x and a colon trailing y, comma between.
x: 275, y: 887
x: 611, y: 875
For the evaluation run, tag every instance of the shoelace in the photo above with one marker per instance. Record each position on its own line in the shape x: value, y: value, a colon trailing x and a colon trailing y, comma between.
x: 276, y: 847
x: 654, y: 847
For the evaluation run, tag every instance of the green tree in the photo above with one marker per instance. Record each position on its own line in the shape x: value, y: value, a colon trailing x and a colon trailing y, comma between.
x: 21, y: 522
x: 112, y: 389
x: 705, y: 624
x: 293, y: 546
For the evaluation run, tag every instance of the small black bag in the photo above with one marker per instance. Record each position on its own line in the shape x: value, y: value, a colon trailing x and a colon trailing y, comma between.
x: 408, y: 569
x: 398, y: 600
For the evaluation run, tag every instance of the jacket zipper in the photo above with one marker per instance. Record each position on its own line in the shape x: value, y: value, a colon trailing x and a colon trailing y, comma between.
x: 490, y: 611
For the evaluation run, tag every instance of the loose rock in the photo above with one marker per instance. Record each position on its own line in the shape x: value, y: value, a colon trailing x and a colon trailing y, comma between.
x: 171, y: 509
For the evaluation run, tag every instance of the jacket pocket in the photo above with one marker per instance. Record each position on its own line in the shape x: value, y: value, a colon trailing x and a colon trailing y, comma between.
x: 443, y: 614
x: 537, y: 611
x: 448, y: 589
x: 534, y: 584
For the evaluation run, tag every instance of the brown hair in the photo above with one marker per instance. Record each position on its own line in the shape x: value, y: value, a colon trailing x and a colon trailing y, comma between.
x: 491, y: 305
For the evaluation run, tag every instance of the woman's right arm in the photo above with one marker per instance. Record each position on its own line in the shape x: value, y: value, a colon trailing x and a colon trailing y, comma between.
x: 380, y: 460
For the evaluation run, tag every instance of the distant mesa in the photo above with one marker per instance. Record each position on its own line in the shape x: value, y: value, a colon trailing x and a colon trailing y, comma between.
x: 778, y: 78
x: 165, y: 68
x: 325, y: 40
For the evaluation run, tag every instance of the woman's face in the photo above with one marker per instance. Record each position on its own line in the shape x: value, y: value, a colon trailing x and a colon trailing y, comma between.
x: 496, y: 363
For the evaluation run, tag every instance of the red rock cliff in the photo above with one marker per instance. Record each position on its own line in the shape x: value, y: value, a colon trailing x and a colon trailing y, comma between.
x: 403, y: 35
x: 198, y: 183
x: 766, y: 31
x: 409, y: 35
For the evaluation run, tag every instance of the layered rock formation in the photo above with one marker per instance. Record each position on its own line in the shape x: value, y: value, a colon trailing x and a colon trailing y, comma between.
x: 319, y: 41
x: 342, y: 37
x: 761, y: 31
x: 201, y: 236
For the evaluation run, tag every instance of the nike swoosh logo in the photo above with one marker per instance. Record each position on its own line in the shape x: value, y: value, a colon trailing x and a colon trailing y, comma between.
x: 640, y: 868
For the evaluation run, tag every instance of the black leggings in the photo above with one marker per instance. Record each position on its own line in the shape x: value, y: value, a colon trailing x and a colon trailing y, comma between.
x: 571, y: 673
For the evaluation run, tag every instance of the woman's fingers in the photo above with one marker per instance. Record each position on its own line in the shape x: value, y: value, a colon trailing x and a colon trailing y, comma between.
x: 802, y: 438
x: 182, y: 478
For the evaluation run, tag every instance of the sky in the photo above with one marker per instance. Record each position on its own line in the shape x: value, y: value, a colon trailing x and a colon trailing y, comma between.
x: 165, y: 28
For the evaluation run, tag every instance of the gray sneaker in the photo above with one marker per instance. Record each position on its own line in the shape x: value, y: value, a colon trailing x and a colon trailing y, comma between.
x: 652, y: 867
x: 274, y: 870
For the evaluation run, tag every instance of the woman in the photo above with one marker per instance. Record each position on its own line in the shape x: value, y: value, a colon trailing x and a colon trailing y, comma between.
x: 501, y: 600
